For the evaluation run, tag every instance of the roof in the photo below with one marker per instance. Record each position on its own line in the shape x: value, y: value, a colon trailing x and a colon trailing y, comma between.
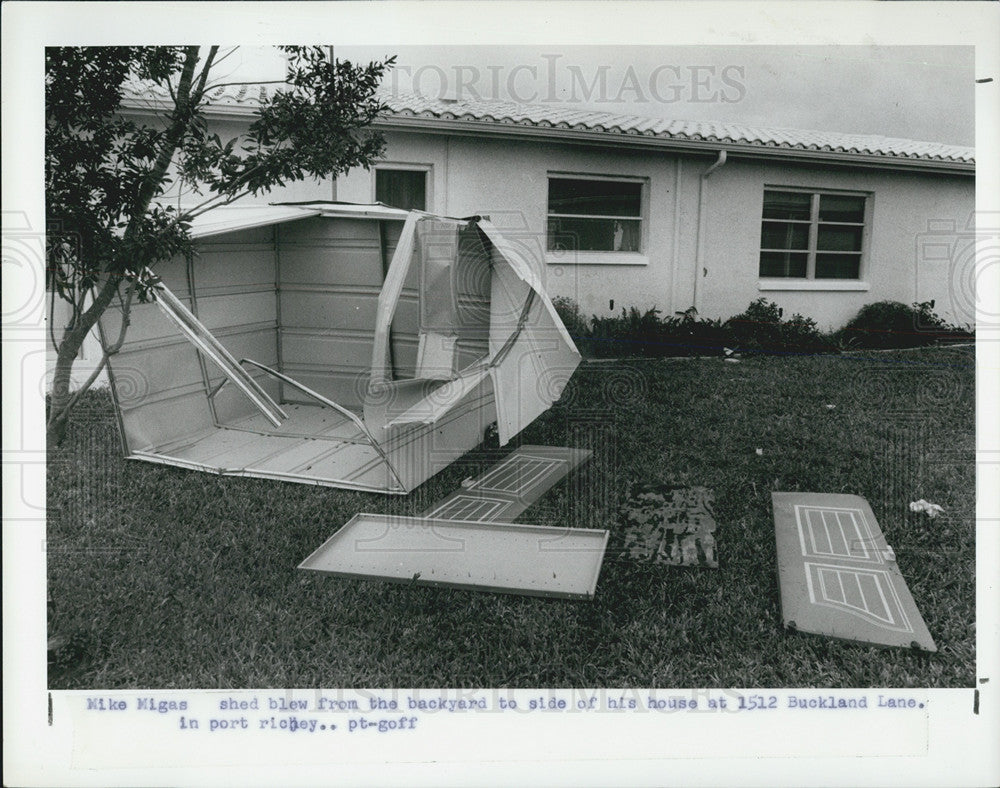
x: 563, y: 121
x: 232, y: 218
x: 481, y: 116
x: 244, y: 217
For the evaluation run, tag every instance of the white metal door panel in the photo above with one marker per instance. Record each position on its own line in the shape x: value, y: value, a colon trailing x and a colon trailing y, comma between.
x: 838, y: 576
x: 506, y: 557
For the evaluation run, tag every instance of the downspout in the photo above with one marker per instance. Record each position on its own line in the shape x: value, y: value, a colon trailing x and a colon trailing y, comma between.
x: 675, y: 251
x: 699, y: 255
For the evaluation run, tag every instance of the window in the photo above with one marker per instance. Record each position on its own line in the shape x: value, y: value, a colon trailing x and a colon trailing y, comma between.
x: 812, y: 235
x: 594, y: 214
x: 405, y: 189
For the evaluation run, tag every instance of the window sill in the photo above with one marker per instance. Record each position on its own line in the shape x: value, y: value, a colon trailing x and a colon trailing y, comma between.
x: 596, y: 258
x: 841, y: 285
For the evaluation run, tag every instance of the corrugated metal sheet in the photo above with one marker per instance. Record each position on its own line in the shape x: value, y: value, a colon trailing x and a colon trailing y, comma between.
x: 330, y: 274
x: 232, y: 218
x: 532, y: 357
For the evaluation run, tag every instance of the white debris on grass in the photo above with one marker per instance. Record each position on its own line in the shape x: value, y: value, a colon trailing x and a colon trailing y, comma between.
x: 932, y: 510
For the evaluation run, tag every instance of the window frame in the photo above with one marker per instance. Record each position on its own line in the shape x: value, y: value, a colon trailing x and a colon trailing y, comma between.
x: 599, y: 257
x: 402, y: 166
x: 810, y: 281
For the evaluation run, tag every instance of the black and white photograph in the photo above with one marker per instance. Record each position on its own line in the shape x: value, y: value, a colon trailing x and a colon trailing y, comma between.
x: 444, y: 389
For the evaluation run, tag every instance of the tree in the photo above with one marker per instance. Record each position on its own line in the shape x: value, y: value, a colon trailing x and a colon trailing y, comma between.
x: 106, y: 170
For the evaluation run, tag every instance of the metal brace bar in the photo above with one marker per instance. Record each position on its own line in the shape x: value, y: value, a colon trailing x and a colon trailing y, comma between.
x: 331, y: 404
x: 217, y: 389
x: 503, y: 351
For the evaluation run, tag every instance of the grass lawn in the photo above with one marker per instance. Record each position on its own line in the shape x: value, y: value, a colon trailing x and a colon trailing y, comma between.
x: 161, y: 577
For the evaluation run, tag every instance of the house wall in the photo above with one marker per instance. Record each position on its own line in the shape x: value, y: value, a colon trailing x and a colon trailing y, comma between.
x: 507, y: 179
x: 904, y: 206
x: 297, y: 191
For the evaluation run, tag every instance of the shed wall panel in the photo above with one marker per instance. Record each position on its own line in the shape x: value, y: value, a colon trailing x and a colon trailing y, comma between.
x: 331, y: 273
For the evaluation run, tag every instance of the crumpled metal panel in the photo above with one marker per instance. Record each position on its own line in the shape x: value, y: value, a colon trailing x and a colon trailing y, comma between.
x: 838, y: 575
x: 532, y: 355
x: 296, y: 321
x: 673, y: 525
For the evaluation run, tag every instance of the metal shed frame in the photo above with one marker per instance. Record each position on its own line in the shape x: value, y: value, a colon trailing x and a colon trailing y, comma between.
x: 458, y: 328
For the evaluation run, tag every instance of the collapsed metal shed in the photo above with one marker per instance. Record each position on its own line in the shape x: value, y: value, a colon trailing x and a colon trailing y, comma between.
x: 354, y: 346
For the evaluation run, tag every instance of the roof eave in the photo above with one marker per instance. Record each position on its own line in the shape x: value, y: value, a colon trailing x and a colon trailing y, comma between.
x: 458, y: 126
x: 145, y: 106
x: 461, y: 127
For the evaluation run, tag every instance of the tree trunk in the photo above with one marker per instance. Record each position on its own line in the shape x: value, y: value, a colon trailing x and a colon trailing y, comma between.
x: 61, y: 399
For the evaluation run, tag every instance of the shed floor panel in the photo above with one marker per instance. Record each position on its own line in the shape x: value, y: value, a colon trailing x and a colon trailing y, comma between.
x: 304, y: 421
x: 314, y: 442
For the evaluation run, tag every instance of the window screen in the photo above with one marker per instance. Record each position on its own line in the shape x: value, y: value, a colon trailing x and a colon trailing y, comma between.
x: 405, y: 189
x: 594, y: 215
x: 812, y: 235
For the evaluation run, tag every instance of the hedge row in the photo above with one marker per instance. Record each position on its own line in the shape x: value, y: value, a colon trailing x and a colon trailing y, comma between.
x: 761, y: 328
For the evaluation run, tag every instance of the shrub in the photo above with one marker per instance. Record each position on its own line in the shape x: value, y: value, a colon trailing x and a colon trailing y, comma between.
x: 760, y: 329
x: 636, y: 333
x: 571, y: 316
x: 891, y: 324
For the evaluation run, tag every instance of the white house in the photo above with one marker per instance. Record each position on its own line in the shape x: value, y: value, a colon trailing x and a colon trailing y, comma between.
x: 620, y: 210
x: 616, y: 211
x: 624, y: 211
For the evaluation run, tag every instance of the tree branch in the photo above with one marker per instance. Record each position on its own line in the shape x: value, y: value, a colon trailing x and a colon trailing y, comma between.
x: 179, y: 120
x: 55, y: 417
x: 198, y: 210
x: 199, y: 91
x: 52, y: 318
x: 230, y: 53
x: 126, y: 321
x: 206, y: 205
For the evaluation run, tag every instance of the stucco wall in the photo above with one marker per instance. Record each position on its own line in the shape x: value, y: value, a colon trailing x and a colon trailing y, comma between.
x: 918, y: 248
x: 904, y: 206
x: 297, y: 191
x: 508, y: 180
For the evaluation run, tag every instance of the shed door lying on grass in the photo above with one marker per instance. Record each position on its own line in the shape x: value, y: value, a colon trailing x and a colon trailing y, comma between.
x: 467, y: 540
x: 512, y: 558
x: 510, y: 487
x: 838, y: 576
